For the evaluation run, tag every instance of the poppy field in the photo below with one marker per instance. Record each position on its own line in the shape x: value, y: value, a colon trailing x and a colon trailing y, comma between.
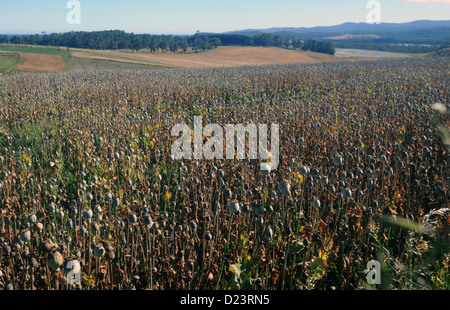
x: 89, y: 186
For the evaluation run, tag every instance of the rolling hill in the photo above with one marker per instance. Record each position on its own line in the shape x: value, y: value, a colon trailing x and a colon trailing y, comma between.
x: 58, y: 59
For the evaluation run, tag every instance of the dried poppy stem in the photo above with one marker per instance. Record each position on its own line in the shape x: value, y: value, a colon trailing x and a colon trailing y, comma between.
x: 148, y: 252
x: 300, y: 207
x: 226, y: 249
x: 258, y: 246
x: 111, y: 277
x: 89, y: 245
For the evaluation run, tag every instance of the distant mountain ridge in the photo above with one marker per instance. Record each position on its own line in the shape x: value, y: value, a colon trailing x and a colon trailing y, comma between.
x: 352, y: 28
x: 436, y: 31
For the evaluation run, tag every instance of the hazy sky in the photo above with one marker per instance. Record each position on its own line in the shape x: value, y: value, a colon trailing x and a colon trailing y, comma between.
x: 188, y: 16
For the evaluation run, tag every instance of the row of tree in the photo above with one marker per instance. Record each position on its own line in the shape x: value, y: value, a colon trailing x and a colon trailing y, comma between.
x: 318, y: 46
x: 117, y: 39
x: 268, y: 39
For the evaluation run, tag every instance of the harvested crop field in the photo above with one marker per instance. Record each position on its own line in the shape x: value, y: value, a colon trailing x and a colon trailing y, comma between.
x: 347, y: 52
x: 220, y: 57
x: 86, y: 64
x: 41, y: 63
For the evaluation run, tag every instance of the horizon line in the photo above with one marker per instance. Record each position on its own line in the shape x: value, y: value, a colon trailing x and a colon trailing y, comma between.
x: 227, y: 31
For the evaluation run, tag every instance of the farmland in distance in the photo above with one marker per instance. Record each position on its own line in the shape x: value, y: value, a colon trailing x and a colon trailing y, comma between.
x: 61, y: 59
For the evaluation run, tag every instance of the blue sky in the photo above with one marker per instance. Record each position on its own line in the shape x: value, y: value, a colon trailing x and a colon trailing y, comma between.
x: 188, y: 16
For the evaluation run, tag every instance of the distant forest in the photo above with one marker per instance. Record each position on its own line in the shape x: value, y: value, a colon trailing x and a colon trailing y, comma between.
x: 117, y: 39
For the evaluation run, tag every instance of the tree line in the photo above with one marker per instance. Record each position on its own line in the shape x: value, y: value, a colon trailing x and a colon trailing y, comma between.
x: 118, y: 39
x: 277, y: 40
x: 114, y: 40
